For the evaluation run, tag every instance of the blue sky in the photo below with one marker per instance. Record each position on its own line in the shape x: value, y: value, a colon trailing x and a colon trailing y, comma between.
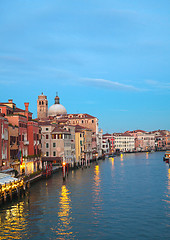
x: 107, y: 58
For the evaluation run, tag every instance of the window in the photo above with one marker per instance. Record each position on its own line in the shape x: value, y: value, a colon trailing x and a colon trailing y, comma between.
x: 39, y: 102
x: 60, y: 136
x: 47, y: 154
x: 46, y: 129
x: 0, y: 110
x: 42, y: 103
x: 46, y: 136
x: 92, y: 121
x: 53, y: 136
x: 82, y: 121
x: 54, y: 144
x: 54, y: 154
x: 47, y: 145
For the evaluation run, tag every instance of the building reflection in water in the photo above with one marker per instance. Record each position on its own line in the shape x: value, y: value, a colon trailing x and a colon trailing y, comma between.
x: 168, y: 181
x: 113, y: 163
x: 97, y: 202
x: 13, y: 222
x: 64, y: 214
x: 147, y: 155
x: 167, y: 193
x: 121, y: 159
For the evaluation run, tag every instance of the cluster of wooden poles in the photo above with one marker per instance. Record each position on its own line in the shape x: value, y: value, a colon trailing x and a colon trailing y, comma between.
x: 13, y: 190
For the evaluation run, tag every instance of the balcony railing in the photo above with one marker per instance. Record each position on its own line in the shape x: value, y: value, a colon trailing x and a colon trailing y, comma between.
x: 26, y: 142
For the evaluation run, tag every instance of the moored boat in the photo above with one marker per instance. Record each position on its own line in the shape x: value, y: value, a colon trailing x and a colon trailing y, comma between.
x: 166, y: 157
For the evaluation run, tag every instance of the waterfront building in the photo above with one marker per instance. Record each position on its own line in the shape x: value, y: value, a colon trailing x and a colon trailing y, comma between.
x: 71, y: 129
x: 118, y: 141
x: 144, y: 141
x: 124, y: 142
x: 83, y: 143
x: 13, y: 133
x: 4, y: 146
x: 161, y: 139
x: 79, y: 144
x: 108, y: 143
x: 57, y: 113
x: 90, y: 122
x: 105, y: 145
x: 56, y: 143
x: 27, y: 144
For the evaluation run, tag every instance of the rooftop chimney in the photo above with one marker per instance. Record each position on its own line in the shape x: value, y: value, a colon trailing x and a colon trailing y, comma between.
x: 10, y: 100
x: 26, y: 106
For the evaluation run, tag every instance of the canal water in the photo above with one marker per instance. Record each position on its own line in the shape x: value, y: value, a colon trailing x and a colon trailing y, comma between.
x: 127, y: 197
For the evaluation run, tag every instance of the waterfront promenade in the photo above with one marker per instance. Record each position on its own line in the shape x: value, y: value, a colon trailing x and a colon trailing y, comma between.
x: 122, y: 198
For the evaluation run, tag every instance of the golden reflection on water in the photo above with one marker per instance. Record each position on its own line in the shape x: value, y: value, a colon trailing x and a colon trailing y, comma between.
x: 64, y: 214
x: 147, y: 155
x: 96, y: 195
x: 121, y: 159
x: 13, y: 222
x: 97, y: 180
x: 113, y: 163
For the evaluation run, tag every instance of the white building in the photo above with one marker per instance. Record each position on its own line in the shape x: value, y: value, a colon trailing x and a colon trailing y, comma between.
x: 124, y: 142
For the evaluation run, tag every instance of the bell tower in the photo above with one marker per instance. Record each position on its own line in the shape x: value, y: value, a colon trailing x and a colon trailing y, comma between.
x: 42, y: 106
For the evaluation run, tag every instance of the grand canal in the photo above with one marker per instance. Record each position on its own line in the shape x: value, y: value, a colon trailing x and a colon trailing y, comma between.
x: 126, y: 197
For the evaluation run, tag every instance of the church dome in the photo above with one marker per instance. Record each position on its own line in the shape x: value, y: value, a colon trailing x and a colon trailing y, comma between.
x: 57, y: 108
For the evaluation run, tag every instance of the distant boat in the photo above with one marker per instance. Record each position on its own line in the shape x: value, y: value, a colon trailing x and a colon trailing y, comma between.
x: 166, y: 157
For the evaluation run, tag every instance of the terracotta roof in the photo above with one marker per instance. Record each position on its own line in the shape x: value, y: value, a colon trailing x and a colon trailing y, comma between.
x: 122, y: 134
x: 57, y: 129
x: 3, y: 105
x: 81, y: 128
x: 84, y: 115
x: 20, y: 110
x: 107, y: 134
x: 44, y: 123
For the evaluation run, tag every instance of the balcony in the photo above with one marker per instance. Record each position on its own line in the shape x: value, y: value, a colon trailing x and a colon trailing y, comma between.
x: 3, y: 156
x: 26, y: 143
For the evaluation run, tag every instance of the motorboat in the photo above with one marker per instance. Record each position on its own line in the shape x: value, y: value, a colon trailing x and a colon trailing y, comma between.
x: 166, y: 157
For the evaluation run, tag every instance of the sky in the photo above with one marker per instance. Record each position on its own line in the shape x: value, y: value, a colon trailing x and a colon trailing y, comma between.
x: 109, y: 58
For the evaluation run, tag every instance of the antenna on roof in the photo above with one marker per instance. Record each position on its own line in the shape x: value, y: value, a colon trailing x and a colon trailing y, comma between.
x: 56, y: 94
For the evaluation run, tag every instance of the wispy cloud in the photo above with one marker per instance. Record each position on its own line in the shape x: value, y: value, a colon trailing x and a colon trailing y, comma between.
x: 7, y: 82
x: 157, y: 85
x: 109, y: 84
x: 12, y: 58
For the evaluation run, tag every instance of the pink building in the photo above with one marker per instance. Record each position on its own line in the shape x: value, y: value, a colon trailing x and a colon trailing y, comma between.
x: 144, y: 141
x: 4, y: 146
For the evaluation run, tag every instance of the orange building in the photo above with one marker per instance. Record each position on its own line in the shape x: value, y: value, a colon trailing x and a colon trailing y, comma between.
x: 29, y: 139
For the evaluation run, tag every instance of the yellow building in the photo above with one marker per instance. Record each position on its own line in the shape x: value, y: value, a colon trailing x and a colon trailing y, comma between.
x: 83, y: 143
x: 79, y: 144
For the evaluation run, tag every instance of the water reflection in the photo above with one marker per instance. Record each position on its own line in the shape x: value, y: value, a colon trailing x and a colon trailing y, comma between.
x: 147, y: 155
x: 97, y: 180
x: 96, y: 195
x: 168, y: 180
x: 113, y: 163
x: 121, y: 159
x: 64, y: 214
x: 13, y: 222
